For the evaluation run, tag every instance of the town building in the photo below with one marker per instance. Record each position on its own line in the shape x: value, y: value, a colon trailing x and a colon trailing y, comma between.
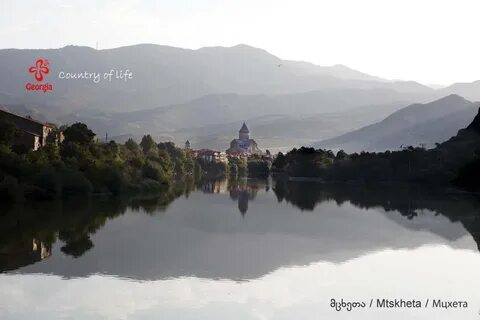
x: 243, y: 146
x: 209, y: 155
x: 32, y: 134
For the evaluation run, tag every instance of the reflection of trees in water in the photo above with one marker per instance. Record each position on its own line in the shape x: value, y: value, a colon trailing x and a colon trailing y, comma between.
x: 28, y: 231
x: 159, y: 202
x: 407, y: 200
x: 76, y: 246
x: 22, y: 253
x: 72, y: 222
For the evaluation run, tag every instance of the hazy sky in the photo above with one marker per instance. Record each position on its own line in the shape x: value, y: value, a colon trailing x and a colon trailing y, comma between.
x: 431, y: 41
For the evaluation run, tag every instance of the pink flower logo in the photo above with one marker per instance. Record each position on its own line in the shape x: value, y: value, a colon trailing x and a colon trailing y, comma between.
x: 39, y: 69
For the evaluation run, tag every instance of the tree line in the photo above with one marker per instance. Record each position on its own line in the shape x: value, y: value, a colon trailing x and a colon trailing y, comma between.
x: 81, y: 165
x: 455, y: 162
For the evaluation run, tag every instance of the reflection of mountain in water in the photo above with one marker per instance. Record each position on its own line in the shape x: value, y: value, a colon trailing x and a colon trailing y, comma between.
x: 204, y: 234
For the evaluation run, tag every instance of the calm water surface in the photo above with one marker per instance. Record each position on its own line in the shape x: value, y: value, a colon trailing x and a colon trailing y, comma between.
x: 256, y: 249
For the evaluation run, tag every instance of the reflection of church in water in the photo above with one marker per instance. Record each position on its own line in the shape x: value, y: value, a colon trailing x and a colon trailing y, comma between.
x: 243, y: 196
x: 243, y: 191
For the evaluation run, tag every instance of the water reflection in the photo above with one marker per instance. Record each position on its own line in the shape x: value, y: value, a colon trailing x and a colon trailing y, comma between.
x: 70, y: 222
x: 408, y: 201
x: 23, y: 252
x: 236, y: 229
x: 244, y: 191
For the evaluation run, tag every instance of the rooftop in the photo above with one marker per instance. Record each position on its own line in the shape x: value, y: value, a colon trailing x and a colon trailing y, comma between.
x: 244, y: 128
x: 29, y: 118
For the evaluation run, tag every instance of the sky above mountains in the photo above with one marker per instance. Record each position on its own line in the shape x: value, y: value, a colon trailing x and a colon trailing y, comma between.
x: 433, y: 42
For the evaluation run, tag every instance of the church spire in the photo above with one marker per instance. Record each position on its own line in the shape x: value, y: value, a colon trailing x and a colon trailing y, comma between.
x: 244, y: 133
x: 244, y: 128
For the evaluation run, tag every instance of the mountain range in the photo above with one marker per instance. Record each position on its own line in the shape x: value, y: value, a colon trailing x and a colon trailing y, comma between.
x: 163, y: 75
x: 203, y: 95
x: 211, y: 121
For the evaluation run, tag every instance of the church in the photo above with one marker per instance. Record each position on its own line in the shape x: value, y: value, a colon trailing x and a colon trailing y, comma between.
x: 243, y: 145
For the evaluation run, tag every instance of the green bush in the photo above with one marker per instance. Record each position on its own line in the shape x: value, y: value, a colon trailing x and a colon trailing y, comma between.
x: 154, y: 171
x: 74, y: 182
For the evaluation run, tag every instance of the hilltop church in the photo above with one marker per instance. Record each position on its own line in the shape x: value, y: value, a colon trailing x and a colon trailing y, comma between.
x: 243, y: 145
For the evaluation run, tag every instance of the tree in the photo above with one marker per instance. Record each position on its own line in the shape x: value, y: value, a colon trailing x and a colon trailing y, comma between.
x: 7, y: 133
x: 53, y: 137
x: 165, y: 162
x: 189, y: 163
x: 341, y: 155
x: 242, y: 169
x: 153, y: 170
x: 131, y: 145
x: 79, y: 133
x: 147, y: 144
x: 113, y: 149
x: 280, y: 162
x: 259, y: 167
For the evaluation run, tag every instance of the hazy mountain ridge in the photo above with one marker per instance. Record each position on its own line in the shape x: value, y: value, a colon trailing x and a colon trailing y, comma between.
x: 177, y: 93
x: 468, y: 90
x: 276, y: 121
x: 417, y: 124
x: 281, y: 132
x: 164, y: 75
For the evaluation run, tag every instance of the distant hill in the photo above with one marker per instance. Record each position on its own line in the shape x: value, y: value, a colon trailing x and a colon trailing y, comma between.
x: 282, y: 132
x: 164, y: 75
x: 416, y: 125
x: 468, y: 90
x: 276, y: 120
x: 465, y: 145
x: 177, y: 93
